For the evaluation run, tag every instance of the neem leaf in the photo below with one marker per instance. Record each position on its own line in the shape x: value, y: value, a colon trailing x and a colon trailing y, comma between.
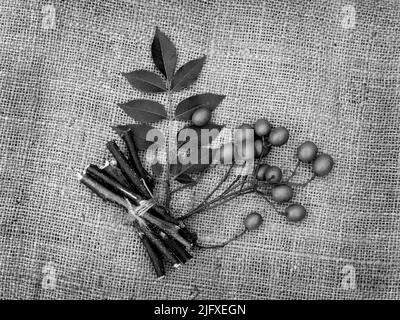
x: 122, y: 128
x: 187, y: 107
x: 144, y: 110
x: 139, y: 133
x: 145, y: 81
x: 157, y: 169
x: 175, y: 168
x: 195, y: 168
x: 163, y: 52
x: 185, y: 179
x: 211, y: 127
x: 187, y: 74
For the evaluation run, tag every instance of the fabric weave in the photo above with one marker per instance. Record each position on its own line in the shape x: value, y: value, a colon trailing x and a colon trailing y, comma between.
x: 326, y: 70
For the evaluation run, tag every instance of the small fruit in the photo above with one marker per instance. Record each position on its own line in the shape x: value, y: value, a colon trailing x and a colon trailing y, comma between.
x: 278, y: 136
x: 273, y: 174
x: 258, y: 146
x: 262, y: 127
x: 295, y: 212
x: 201, y: 117
x: 226, y: 153
x: 253, y: 221
x: 282, y: 193
x: 261, y: 172
x: 322, y: 165
x: 307, y: 151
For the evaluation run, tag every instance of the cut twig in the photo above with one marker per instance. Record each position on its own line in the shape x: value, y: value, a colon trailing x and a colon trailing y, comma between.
x: 158, y: 243
x: 135, y: 160
x: 100, y: 190
x: 96, y: 173
x: 126, y: 169
x: 154, y: 254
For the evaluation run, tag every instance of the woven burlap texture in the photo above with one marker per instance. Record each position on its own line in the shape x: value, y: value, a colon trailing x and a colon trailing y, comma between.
x: 326, y: 70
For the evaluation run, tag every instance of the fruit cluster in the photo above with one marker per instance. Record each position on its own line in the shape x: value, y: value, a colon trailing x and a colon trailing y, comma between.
x: 256, y: 142
x: 280, y: 190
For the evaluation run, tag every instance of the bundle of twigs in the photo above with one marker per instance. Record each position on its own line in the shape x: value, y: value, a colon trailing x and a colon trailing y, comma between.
x: 130, y: 185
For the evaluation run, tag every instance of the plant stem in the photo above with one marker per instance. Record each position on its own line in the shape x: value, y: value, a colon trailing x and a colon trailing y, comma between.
x: 126, y: 169
x: 154, y: 255
x: 231, y: 185
x: 223, y: 199
x: 157, y: 242
x: 94, y: 172
x: 167, y: 179
x: 294, y: 171
x: 236, y: 184
x: 183, y: 187
x: 101, y: 190
x: 219, y: 184
x: 304, y: 183
x: 260, y: 157
x: 269, y: 202
x: 223, y: 244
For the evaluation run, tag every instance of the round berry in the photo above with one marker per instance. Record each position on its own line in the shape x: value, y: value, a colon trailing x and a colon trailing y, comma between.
x: 273, y: 174
x: 258, y: 147
x: 282, y: 193
x: 295, y: 212
x: 262, y: 127
x: 278, y: 136
x: 307, y: 151
x: 201, y: 117
x: 253, y: 221
x: 322, y: 165
x: 261, y: 172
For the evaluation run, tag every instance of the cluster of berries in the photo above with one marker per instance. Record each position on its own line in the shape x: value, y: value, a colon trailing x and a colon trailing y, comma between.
x: 281, y: 191
x: 262, y: 136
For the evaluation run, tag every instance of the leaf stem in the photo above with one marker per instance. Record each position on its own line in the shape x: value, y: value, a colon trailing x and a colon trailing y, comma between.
x: 302, y: 184
x: 168, y: 175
